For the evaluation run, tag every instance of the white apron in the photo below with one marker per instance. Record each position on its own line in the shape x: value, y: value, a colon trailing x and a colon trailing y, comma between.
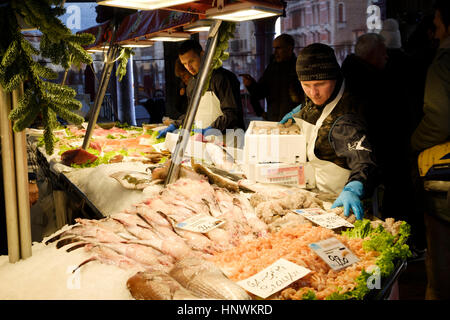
x: 329, y: 177
x: 208, y: 110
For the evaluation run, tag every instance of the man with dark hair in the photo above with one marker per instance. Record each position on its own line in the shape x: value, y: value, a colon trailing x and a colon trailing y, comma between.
x: 337, y: 148
x: 432, y: 140
x: 181, y: 101
x: 220, y: 108
x: 279, y: 84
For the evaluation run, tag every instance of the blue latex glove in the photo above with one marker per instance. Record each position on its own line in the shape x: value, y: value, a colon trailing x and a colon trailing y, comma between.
x: 290, y: 114
x: 203, y: 131
x: 163, y: 132
x: 350, y: 198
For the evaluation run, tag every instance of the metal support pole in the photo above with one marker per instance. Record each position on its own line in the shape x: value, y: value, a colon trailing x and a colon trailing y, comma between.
x: 9, y: 177
x: 23, y: 201
x: 183, y: 138
x: 106, y: 74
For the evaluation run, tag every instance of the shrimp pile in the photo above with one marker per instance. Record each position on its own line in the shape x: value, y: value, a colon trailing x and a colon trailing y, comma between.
x: 291, y: 244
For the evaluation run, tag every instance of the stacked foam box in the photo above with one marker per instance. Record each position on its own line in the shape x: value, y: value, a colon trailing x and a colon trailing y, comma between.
x: 274, y: 158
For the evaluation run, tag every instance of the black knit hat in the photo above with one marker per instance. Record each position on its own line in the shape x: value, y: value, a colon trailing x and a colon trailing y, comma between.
x: 317, y: 62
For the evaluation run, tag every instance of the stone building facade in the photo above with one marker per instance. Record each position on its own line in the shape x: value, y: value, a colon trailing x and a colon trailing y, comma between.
x: 337, y: 23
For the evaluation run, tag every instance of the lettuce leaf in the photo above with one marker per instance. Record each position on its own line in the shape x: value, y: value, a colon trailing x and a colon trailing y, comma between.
x: 390, y: 247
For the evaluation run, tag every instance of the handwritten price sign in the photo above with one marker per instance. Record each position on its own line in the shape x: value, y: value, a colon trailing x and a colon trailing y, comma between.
x: 274, y: 278
x: 334, y: 253
x: 200, y: 223
x: 324, y: 219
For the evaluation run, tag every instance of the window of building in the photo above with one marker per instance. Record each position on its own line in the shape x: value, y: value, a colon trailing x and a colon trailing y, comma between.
x: 341, y: 12
x: 302, y: 17
x: 315, y: 12
x: 328, y: 13
x: 296, y: 19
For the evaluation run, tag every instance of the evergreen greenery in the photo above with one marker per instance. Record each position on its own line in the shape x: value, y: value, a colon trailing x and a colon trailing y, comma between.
x: 18, y: 64
x: 226, y: 32
x: 125, y: 54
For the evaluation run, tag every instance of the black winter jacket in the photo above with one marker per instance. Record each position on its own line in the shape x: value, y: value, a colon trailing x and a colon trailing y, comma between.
x: 226, y: 87
x: 342, y: 138
x: 280, y: 86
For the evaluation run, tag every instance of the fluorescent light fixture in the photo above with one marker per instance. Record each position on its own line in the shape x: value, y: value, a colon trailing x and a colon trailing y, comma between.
x: 170, y: 36
x: 243, y: 12
x: 142, y: 4
x: 98, y: 49
x: 199, y: 26
x: 137, y: 45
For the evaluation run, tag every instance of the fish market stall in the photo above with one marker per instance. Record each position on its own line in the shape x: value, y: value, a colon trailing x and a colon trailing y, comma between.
x: 210, y: 229
x: 210, y: 244
x: 180, y: 220
x: 119, y: 165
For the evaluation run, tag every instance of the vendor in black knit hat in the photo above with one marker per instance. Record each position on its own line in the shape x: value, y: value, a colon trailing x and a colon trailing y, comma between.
x: 336, y: 142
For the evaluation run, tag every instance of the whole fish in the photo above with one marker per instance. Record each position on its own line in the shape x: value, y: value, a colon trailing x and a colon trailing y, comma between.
x: 206, y: 280
x: 157, y: 285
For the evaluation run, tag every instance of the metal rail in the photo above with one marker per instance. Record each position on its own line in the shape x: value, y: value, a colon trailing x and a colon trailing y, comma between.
x: 106, y: 74
x: 183, y: 138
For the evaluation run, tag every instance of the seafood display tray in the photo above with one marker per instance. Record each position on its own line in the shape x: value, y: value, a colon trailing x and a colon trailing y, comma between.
x: 62, y: 182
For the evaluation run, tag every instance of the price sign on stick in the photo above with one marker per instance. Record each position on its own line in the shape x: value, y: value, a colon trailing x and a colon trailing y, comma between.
x: 200, y: 223
x: 334, y: 253
x: 274, y: 278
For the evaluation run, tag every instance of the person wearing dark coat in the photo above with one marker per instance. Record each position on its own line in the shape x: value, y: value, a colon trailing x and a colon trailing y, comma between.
x: 220, y: 107
x: 432, y: 133
x: 383, y: 82
x: 279, y: 84
x: 181, y: 101
x: 338, y: 147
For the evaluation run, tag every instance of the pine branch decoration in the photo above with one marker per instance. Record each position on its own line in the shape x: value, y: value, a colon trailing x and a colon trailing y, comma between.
x: 125, y: 55
x: 226, y: 32
x: 17, y: 64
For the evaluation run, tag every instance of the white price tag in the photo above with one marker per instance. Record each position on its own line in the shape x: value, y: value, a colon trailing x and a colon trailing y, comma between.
x: 85, y: 125
x: 328, y: 220
x: 200, y: 223
x: 145, y: 142
x: 274, y: 278
x: 334, y: 253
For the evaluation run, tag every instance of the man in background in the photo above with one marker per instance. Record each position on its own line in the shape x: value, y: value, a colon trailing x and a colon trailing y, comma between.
x: 279, y: 84
x: 220, y: 108
x: 431, y: 139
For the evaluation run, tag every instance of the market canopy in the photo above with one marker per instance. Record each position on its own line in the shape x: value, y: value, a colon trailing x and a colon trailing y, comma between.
x: 140, y: 26
x: 137, y: 26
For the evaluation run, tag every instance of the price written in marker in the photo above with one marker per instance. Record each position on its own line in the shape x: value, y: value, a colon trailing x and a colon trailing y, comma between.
x: 274, y: 278
x: 324, y: 219
x: 334, y: 253
x: 200, y: 223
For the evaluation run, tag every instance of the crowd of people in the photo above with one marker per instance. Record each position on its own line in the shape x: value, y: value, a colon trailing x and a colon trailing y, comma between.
x: 366, y: 122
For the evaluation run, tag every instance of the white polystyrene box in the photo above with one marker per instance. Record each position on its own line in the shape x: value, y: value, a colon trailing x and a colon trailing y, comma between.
x: 194, y: 148
x: 287, y: 148
x: 279, y: 173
